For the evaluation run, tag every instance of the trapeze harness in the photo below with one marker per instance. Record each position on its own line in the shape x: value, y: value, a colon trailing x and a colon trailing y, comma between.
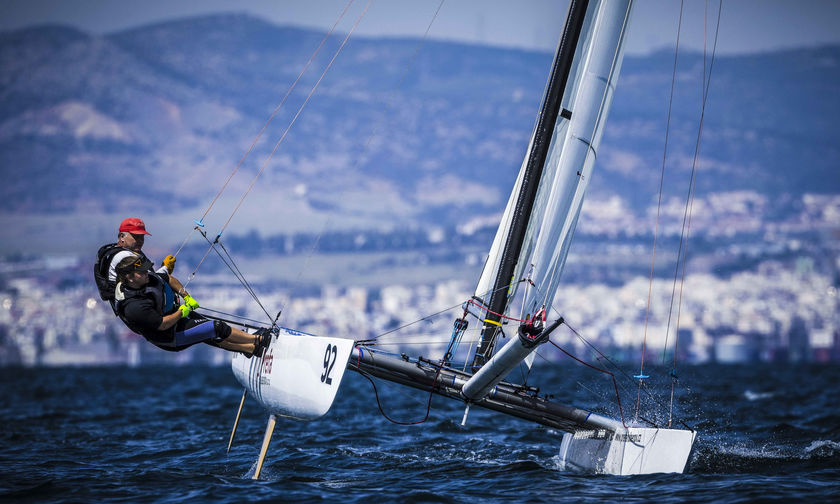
x: 187, y: 332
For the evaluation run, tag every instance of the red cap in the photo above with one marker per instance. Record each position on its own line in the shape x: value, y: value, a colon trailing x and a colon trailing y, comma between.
x: 133, y: 225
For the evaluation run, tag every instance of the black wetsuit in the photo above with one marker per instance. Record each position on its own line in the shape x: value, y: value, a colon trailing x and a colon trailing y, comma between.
x: 143, y: 310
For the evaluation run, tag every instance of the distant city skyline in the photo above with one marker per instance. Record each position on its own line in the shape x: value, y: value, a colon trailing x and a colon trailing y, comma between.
x: 747, y: 26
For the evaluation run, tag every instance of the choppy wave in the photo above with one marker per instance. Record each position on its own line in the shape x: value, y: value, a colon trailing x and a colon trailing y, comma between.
x: 159, y: 434
x: 745, y: 458
x: 823, y: 448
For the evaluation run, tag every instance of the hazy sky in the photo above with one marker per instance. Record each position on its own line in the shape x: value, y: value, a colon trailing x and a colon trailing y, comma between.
x: 746, y: 25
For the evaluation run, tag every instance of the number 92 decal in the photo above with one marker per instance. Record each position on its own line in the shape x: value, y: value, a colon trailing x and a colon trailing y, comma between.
x: 329, y: 361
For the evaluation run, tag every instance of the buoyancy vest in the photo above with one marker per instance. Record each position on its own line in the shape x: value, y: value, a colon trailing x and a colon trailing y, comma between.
x: 103, y: 263
x: 163, y: 299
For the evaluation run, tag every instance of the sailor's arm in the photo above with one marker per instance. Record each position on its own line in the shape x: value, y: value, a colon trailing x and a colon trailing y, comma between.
x: 183, y: 311
x: 170, y: 320
x: 177, y: 286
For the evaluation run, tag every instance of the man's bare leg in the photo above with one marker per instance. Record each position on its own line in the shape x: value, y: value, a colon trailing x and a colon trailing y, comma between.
x: 246, y: 348
x: 241, y: 337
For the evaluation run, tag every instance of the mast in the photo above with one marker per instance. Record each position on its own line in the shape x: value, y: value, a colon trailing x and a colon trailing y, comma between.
x: 540, y: 142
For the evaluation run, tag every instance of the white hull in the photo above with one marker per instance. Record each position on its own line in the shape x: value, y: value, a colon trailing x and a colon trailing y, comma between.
x: 298, y: 374
x: 639, y: 450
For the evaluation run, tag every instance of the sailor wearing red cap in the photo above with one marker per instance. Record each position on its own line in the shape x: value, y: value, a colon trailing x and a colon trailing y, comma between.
x: 147, y: 304
x: 130, y: 239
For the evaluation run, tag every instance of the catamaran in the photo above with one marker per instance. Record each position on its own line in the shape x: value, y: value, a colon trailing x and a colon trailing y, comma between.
x: 298, y: 375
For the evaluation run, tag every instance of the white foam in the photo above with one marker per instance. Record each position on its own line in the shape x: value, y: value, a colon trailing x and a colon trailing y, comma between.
x: 749, y: 395
x: 823, y: 446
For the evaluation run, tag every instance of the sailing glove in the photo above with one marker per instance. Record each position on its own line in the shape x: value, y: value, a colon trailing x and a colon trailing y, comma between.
x: 169, y: 262
x: 191, y: 302
x: 185, y: 310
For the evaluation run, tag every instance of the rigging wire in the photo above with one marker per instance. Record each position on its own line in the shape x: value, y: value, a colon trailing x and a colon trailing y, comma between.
x: 297, y: 115
x: 707, y: 81
x: 285, y: 132
x: 462, y: 304
x: 373, y: 134
x: 602, y: 357
x: 237, y: 273
x: 199, y: 222
x: 641, y: 375
x: 244, y: 320
x: 629, y: 378
x: 229, y: 262
x: 422, y: 319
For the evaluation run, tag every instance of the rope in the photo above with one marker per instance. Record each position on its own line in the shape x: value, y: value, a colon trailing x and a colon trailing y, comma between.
x: 491, y: 312
x: 615, y: 384
x: 629, y: 378
x: 398, y: 422
x: 459, y: 305
x: 459, y: 327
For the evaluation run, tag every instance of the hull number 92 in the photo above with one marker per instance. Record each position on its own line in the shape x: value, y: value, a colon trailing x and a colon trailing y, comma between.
x: 329, y: 361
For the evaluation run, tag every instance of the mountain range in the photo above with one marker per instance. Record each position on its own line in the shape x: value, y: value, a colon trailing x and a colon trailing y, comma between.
x: 398, y: 133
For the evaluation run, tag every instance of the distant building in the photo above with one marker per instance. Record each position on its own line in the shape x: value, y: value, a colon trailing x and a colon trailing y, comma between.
x: 799, y: 346
x: 733, y: 348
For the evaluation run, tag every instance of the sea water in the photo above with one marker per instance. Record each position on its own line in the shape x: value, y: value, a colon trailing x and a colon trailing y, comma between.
x: 159, y: 434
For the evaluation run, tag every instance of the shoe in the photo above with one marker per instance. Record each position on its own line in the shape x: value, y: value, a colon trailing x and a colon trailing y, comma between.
x: 263, y: 340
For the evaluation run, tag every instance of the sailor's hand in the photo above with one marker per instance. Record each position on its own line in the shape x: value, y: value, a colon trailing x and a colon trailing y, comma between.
x: 185, y: 310
x: 191, y: 302
x: 169, y: 262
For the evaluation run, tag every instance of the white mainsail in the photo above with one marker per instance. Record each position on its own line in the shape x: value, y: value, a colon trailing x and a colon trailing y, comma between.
x: 574, y: 150
x: 570, y: 160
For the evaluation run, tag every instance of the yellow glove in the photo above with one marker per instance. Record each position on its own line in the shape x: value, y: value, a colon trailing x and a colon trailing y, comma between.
x: 169, y: 262
x: 191, y: 302
x: 185, y: 310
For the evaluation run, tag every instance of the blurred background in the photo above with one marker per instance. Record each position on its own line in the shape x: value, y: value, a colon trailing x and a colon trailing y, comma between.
x: 381, y: 201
